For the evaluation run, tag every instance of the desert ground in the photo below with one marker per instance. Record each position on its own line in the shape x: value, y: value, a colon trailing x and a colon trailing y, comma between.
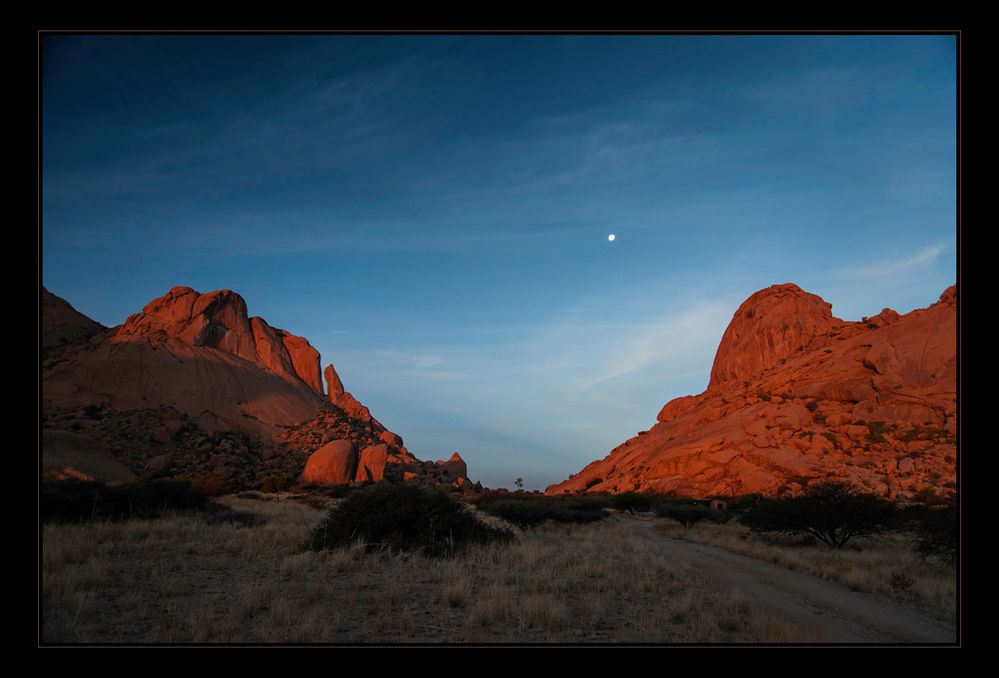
x: 629, y: 579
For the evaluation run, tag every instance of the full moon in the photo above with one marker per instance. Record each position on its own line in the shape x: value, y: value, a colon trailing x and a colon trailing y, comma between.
x: 611, y: 237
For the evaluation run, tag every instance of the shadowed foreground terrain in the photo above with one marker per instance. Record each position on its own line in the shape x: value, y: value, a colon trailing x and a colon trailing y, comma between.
x: 845, y: 614
x: 179, y: 579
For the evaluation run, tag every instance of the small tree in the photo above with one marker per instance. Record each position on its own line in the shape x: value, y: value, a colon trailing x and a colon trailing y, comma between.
x: 832, y: 512
x: 632, y: 502
x: 687, y: 515
x: 936, y: 530
x: 519, y: 482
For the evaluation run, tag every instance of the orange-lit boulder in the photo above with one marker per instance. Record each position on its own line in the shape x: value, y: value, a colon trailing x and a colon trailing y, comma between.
x: 332, y: 464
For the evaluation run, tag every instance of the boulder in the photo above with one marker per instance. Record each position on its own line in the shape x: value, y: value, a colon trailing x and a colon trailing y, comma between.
x: 334, y: 463
x: 159, y: 465
x: 371, y: 465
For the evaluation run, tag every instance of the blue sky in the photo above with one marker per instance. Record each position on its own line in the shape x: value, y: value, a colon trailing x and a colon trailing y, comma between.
x: 432, y: 212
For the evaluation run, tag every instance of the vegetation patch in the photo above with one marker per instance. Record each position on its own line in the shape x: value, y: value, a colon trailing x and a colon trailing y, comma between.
x: 632, y: 502
x: 403, y: 518
x: 687, y: 515
x: 834, y: 513
x: 936, y: 531
x: 877, y: 429
x: 527, y: 511
x: 76, y: 501
x: 70, y: 501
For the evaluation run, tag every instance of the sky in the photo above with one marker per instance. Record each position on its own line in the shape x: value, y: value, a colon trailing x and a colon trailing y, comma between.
x: 433, y: 212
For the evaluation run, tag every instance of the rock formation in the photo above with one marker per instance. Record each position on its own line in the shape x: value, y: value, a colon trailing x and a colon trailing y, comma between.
x: 63, y: 325
x: 193, y: 386
x: 797, y: 394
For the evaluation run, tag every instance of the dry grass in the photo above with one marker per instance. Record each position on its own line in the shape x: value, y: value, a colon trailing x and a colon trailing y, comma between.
x: 883, y: 565
x: 178, y: 580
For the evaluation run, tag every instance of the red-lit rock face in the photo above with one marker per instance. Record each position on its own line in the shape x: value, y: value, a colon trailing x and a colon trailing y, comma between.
x: 797, y: 394
x: 219, y: 320
x: 342, y: 399
x: 773, y: 324
x: 247, y: 397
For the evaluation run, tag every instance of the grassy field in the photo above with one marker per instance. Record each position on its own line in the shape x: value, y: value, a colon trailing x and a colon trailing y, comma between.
x: 179, y: 580
x: 884, y: 565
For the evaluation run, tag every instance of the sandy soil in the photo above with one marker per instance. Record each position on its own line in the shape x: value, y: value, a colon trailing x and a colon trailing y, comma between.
x: 837, y: 614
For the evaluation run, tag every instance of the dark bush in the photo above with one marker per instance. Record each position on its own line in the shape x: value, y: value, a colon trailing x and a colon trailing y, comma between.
x: 831, y: 512
x: 744, y: 502
x: 936, y: 530
x: 277, y: 482
x: 211, y: 485
x: 687, y: 515
x: 632, y: 502
x: 403, y: 518
x: 79, y: 500
x: 527, y: 511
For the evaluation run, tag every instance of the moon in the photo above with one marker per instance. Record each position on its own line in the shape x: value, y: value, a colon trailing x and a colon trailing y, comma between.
x: 611, y: 237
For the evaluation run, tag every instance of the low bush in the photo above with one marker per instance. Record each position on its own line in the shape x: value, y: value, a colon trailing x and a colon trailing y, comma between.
x: 527, y: 511
x: 277, y: 482
x: 211, y: 485
x: 687, y: 515
x: 403, y: 518
x: 936, y: 530
x: 632, y: 502
x: 68, y: 501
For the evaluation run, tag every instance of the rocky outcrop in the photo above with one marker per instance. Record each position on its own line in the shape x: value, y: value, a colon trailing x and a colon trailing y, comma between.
x: 219, y: 320
x: 455, y: 466
x: 771, y: 325
x: 342, y: 399
x: 63, y: 325
x: 72, y: 455
x: 796, y: 395
x: 192, y: 386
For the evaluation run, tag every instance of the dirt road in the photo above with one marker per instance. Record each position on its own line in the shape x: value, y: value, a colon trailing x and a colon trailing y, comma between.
x: 838, y: 614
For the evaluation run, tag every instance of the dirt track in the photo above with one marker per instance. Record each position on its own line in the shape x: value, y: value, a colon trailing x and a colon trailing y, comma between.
x: 838, y: 614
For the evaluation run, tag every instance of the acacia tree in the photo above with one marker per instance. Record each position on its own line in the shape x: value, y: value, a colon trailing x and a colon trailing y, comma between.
x: 687, y: 515
x: 832, y: 512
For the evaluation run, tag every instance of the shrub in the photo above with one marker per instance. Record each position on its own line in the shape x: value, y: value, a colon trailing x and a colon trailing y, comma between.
x: 527, y: 511
x: 831, y: 512
x: 276, y: 482
x: 403, y: 518
x: 79, y: 500
x: 632, y: 502
x: 936, y: 530
x: 211, y: 485
x: 687, y: 515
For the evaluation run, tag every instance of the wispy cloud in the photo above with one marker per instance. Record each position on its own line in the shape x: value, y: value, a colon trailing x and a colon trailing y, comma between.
x: 411, y: 359
x: 911, y: 264
x: 666, y: 342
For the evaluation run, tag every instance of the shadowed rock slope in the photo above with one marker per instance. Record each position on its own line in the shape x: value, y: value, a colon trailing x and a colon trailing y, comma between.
x: 192, y: 386
x: 796, y: 395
